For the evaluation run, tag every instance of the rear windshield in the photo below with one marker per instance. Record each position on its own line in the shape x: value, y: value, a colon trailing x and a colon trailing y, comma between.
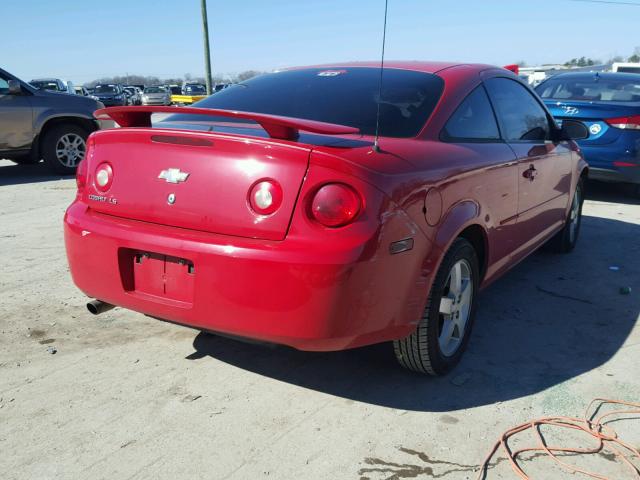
x: 105, y: 89
x: 45, y: 85
x: 154, y: 90
x: 346, y: 96
x: 595, y: 89
x: 195, y: 89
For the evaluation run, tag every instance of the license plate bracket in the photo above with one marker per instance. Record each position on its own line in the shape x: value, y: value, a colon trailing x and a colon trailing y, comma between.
x: 162, y: 276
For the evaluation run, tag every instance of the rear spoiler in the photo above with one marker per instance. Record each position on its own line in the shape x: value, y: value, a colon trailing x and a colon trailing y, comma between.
x: 285, y: 128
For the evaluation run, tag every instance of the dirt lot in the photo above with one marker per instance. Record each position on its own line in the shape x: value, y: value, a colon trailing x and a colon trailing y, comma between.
x: 126, y: 396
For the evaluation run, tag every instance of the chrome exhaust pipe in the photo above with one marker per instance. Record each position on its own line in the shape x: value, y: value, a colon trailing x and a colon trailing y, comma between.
x: 98, y: 306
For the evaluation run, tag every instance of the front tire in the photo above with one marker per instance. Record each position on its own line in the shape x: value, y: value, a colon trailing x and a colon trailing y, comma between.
x: 443, y: 333
x: 63, y: 147
x: 566, y: 239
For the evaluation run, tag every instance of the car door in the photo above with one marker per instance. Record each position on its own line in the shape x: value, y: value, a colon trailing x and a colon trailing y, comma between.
x: 474, y: 129
x: 544, y: 164
x: 16, y: 119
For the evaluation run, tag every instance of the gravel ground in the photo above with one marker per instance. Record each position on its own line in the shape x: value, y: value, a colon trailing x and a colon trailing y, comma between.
x: 129, y: 397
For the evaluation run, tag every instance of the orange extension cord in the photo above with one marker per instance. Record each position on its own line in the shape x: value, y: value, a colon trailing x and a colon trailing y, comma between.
x: 606, y: 436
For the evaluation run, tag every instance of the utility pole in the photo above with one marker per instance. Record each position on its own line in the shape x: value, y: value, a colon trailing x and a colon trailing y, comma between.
x: 207, y: 56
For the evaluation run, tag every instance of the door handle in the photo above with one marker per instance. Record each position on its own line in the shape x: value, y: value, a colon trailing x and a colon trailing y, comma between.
x: 530, y: 173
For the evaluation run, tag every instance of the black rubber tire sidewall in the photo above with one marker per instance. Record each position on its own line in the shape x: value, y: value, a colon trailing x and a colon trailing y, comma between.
x: 561, y: 242
x: 49, y: 142
x: 461, y: 249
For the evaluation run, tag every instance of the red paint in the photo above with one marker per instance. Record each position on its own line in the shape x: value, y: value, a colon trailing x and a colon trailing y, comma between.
x: 515, y: 68
x: 276, y: 126
x: 217, y: 264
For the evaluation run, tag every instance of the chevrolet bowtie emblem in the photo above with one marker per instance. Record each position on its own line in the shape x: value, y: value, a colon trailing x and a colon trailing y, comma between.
x: 173, y: 175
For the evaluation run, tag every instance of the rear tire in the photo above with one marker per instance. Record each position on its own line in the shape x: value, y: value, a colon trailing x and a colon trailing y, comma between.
x: 63, y: 147
x: 566, y: 239
x: 443, y: 333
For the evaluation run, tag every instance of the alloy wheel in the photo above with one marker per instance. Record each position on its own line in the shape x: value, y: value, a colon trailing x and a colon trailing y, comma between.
x: 455, y: 307
x: 574, y: 215
x: 70, y: 149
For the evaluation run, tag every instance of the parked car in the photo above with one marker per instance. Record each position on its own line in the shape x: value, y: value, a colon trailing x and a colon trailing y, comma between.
x: 53, y: 85
x: 608, y: 104
x: 314, y: 231
x: 135, y: 95
x: 110, y: 94
x: 220, y: 86
x: 156, y: 96
x: 626, y: 67
x: 174, y: 89
x: 194, y: 89
x: 128, y: 96
x: 36, y: 124
x: 79, y: 90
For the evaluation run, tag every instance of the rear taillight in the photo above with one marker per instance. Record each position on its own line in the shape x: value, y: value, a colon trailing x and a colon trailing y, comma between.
x: 627, y: 123
x: 81, y: 174
x: 335, y: 205
x: 265, y: 197
x: 83, y: 166
x: 103, y: 177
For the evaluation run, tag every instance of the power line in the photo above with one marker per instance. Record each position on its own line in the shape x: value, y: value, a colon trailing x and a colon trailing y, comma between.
x: 610, y: 2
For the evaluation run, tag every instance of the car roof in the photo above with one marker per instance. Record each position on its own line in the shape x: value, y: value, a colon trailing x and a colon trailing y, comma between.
x: 415, y: 65
x: 603, y: 75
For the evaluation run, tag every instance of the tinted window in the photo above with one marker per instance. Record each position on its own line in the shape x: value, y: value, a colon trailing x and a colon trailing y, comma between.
x: 195, y: 89
x: 46, y: 85
x: 473, y: 120
x: 346, y: 96
x: 628, y: 69
x: 4, y: 86
x: 106, y: 89
x: 521, y: 116
x: 592, y: 88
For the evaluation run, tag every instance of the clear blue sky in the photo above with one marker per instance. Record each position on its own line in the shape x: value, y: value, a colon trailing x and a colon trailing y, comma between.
x: 82, y: 40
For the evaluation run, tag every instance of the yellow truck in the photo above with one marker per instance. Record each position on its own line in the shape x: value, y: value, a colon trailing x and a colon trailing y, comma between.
x: 188, y: 94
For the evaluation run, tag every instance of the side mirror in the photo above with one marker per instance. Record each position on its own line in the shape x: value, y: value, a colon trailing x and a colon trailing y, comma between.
x: 14, y: 87
x: 573, y: 130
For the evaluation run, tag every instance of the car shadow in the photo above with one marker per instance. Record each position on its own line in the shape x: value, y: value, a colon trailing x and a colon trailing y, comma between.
x: 551, y: 319
x: 612, y: 192
x: 14, y: 174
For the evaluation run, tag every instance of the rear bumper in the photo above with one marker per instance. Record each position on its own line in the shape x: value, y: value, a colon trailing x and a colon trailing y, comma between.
x: 622, y: 174
x: 281, y: 292
x: 615, y: 162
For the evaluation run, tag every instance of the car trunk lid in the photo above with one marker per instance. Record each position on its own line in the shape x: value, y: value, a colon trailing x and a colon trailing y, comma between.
x: 194, y: 180
x: 594, y: 116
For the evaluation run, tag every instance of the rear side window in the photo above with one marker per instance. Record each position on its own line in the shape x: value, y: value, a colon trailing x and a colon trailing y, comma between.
x: 521, y: 116
x: 345, y: 96
x: 473, y: 120
x: 594, y: 88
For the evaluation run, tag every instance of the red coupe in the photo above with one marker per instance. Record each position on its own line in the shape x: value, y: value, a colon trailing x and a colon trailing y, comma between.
x: 327, y: 207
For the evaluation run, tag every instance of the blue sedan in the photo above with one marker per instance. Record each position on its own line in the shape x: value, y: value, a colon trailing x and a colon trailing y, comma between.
x: 609, y: 106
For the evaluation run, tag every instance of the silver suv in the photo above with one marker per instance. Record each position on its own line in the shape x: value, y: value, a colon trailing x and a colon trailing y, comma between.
x: 38, y: 124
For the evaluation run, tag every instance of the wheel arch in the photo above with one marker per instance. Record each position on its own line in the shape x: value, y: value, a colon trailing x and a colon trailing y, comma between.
x: 86, y: 123
x: 463, y: 221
